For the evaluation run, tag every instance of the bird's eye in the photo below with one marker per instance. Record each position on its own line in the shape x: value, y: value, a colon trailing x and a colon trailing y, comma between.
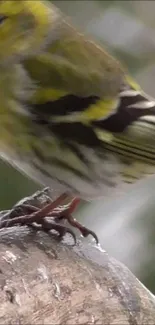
x: 2, y: 18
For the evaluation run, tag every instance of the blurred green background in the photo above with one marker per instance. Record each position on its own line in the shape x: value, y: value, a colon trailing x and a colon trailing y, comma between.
x: 126, y: 226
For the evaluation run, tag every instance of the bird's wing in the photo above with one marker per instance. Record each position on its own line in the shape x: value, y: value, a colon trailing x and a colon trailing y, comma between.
x: 79, y: 86
x: 75, y: 73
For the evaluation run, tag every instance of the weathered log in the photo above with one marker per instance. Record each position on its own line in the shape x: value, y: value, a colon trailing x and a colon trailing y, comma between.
x: 47, y: 281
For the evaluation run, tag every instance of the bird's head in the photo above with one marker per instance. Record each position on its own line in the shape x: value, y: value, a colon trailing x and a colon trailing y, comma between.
x: 24, y: 27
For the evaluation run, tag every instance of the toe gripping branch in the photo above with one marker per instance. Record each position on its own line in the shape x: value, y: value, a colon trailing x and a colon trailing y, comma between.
x: 48, y: 217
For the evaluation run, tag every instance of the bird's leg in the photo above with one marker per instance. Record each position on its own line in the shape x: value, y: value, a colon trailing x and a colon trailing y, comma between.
x: 64, y: 212
x: 54, y: 211
x: 67, y: 215
x: 38, y: 216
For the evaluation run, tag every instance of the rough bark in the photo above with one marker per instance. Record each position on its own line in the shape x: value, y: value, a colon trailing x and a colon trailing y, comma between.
x: 45, y: 281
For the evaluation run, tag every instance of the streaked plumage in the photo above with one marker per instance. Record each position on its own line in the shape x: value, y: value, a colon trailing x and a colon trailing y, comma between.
x: 68, y: 111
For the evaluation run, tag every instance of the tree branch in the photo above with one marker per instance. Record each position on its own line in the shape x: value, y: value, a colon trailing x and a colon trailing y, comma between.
x: 47, y: 281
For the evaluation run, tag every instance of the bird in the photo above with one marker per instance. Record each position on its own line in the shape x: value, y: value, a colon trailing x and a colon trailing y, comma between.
x: 70, y: 113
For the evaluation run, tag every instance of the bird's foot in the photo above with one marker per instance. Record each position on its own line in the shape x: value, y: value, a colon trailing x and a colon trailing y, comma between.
x: 48, y: 218
x: 65, y: 213
x: 47, y: 225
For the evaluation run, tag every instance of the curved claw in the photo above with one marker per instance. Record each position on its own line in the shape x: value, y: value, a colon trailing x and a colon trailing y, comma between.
x: 71, y: 233
x: 86, y: 232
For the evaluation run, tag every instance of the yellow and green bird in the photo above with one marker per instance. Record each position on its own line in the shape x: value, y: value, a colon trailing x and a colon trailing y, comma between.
x: 69, y: 112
